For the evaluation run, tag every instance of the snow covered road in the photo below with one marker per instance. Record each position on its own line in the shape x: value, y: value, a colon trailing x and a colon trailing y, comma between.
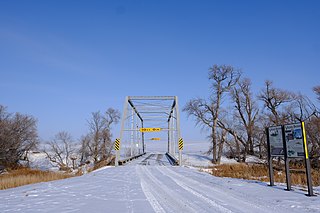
x: 150, y: 184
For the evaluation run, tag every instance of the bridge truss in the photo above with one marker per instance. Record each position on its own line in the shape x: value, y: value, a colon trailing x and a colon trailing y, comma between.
x: 149, y: 115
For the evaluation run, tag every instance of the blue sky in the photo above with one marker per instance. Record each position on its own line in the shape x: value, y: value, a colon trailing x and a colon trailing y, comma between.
x: 62, y: 60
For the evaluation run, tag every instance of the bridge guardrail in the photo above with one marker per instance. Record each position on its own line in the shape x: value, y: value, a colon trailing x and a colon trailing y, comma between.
x: 121, y: 162
x: 172, y: 160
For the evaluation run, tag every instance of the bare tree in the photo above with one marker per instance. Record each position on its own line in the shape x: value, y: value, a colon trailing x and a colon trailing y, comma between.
x: 275, y: 100
x: 85, y: 151
x: 207, y: 113
x: 246, y: 111
x: 313, y: 133
x: 96, y: 125
x: 60, y: 150
x: 232, y: 127
x: 313, y: 136
x: 97, y: 144
x: 316, y: 89
x: 301, y: 109
x: 18, y: 135
x: 112, y: 116
x: 260, y: 135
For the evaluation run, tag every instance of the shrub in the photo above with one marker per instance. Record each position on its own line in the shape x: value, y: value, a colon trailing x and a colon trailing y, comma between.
x: 24, y: 176
x: 260, y: 172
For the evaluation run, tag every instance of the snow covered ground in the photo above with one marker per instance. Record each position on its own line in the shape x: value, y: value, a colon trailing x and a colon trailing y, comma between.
x: 150, y: 184
x: 195, y: 155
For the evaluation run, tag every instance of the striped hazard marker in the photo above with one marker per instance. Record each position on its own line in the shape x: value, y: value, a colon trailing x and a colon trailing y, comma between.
x: 117, y: 144
x: 180, y: 144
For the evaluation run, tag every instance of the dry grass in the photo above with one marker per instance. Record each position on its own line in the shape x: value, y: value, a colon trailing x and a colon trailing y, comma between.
x: 260, y: 172
x: 24, y: 176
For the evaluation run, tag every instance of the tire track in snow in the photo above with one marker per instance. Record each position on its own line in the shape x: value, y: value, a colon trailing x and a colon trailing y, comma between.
x: 189, y: 189
x: 151, y: 199
x: 159, y: 159
x: 167, y: 199
x: 166, y: 196
x: 202, y: 188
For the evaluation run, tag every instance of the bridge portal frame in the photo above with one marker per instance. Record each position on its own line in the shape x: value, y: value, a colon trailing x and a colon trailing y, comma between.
x: 139, y: 110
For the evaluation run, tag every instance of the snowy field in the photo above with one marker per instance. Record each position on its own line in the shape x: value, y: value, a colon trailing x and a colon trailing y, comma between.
x: 194, y: 153
x: 150, y: 184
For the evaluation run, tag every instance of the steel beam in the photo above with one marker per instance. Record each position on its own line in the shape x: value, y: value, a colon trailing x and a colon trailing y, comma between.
x: 178, y: 127
x: 151, y: 97
x: 131, y: 104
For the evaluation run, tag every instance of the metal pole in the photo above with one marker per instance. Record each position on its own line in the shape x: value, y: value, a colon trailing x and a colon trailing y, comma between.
x: 174, y: 134
x: 286, y: 160
x: 125, y: 108
x: 142, y: 133
x: 172, y: 141
x: 178, y: 127
x: 270, y: 158
x: 138, y: 140
x: 131, y: 133
x: 169, y: 136
x: 309, y: 178
x: 288, y: 178
x: 307, y: 161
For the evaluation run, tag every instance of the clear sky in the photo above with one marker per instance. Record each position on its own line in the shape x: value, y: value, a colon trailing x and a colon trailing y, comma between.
x: 61, y: 60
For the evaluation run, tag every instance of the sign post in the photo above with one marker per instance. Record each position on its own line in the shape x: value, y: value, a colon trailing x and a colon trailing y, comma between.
x: 293, y: 145
x: 307, y: 161
x: 271, y: 176
x: 289, y: 141
x: 286, y: 160
x: 296, y: 147
x: 180, y: 150
x: 117, y: 148
x: 275, y: 147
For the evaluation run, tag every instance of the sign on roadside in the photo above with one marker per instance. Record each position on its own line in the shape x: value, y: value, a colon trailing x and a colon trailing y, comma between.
x: 293, y: 136
x: 276, y: 141
x: 294, y: 140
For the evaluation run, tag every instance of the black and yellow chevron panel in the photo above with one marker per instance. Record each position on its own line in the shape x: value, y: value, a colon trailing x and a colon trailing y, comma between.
x: 180, y: 144
x: 117, y: 144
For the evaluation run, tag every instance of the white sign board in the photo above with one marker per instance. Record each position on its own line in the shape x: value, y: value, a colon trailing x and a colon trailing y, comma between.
x: 276, y: 141
x: 294, y: 140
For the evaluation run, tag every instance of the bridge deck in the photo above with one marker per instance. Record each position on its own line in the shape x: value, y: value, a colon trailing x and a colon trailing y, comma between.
x: 154, y: 159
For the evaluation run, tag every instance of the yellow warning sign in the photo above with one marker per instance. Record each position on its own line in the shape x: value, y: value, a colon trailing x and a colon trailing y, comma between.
x: 150, y: 129
x: 155, y: 139
x: 180, y: 144
x: 117, y: 144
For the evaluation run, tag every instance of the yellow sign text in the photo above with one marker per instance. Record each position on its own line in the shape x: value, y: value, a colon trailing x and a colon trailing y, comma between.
x: 150, y: 129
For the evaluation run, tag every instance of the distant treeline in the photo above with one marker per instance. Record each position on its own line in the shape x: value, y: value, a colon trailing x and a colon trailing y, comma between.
x: 19, y: 137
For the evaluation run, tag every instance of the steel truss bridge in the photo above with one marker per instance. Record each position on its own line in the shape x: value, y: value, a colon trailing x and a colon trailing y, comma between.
x: 144, y: 116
